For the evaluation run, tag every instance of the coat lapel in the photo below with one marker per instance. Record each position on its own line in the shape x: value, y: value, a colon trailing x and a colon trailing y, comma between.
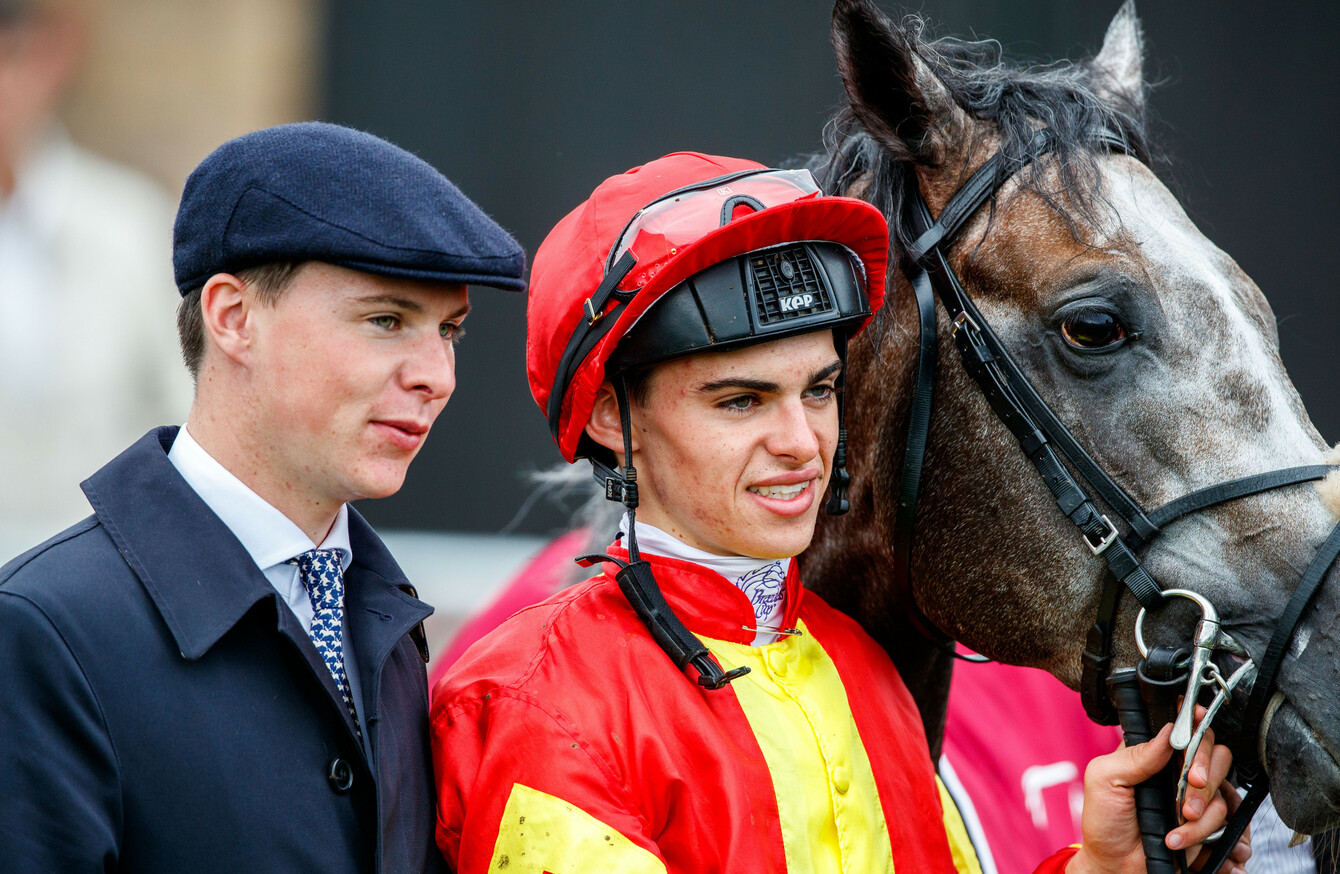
x: 202, y: 580
x: 198, y: 574
x: 378, y: 611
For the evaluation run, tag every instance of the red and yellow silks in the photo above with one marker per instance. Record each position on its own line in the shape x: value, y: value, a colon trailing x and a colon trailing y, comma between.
x: 566, y: 741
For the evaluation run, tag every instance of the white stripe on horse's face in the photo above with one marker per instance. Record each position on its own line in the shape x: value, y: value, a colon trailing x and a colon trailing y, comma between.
x: 1201, y: 397
x: 1232, y: 410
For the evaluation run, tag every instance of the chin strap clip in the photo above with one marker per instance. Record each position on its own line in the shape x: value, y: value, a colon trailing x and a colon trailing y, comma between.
x: 622, y: 487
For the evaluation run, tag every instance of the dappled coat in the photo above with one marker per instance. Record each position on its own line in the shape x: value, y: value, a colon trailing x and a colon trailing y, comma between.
x: 567, y: 741
x: 164, y: 711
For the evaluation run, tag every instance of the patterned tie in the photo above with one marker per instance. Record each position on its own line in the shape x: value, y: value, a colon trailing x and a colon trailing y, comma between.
x: 323, y: 577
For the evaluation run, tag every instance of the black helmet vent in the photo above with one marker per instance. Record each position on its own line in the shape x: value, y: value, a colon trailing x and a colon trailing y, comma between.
x: 787, y: 285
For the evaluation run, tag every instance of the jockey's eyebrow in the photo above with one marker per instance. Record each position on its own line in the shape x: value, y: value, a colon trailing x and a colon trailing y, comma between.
x: 763, y: 386
x: 825, y: 372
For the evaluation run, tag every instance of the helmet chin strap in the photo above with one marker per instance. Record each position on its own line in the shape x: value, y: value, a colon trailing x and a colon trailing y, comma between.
x: 628, y: 492
x: 635, y: 578
x: 621, y: 485
x: 837, y: 487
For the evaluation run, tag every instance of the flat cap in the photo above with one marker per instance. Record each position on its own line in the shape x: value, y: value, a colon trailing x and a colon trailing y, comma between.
x: 321, y: 192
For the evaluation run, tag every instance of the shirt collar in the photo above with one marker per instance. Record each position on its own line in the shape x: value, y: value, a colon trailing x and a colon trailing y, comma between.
x: 758, y: 578
x: 653, y: 540
x: 200, y: 577
x: 706, y: 602
x: 268, y: 536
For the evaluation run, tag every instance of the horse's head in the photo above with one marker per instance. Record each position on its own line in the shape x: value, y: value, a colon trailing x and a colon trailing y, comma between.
x: 1150, y: 344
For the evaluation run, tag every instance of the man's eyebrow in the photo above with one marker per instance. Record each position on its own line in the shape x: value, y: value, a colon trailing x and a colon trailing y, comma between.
x: 391, y: 300
x: 763, y: 386
x: 410, y: 306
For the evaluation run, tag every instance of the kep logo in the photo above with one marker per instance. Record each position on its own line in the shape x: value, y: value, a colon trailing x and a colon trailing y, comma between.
x: 796, y: 302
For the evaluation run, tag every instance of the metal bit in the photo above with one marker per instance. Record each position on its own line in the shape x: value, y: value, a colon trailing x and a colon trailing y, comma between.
x: 1208, y: 639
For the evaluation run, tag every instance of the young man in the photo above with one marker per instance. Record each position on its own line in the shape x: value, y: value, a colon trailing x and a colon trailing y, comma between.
x: 691, y: 708
x: 220, y: 670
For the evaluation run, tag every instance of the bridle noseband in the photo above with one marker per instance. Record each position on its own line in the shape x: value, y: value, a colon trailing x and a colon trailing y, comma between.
x: 1045, y: 441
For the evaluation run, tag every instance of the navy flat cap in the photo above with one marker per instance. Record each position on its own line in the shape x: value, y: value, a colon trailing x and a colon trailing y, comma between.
x: 321, y: 192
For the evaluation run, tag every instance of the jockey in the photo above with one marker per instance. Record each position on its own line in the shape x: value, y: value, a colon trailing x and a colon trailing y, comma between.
x: 691, y: 707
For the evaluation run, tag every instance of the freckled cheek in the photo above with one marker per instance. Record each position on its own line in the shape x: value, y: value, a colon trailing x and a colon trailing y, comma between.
x: 703, y: 484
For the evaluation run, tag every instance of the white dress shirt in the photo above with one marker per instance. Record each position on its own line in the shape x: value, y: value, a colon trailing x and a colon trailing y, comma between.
x: 269, y: 537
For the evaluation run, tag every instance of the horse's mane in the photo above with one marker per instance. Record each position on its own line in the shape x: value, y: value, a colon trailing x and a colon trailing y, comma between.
x: 1067, y: 98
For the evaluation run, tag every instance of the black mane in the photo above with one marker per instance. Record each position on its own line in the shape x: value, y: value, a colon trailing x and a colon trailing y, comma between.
x: 1064, y: 97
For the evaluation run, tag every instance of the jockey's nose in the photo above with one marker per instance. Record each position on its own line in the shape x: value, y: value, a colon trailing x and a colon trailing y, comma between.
x: 793, y: 435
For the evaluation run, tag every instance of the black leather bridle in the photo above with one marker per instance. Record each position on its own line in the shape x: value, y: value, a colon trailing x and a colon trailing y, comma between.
x: 1046, y: 441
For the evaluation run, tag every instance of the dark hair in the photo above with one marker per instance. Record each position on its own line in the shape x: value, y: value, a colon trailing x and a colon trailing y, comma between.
x: 267, y: 280
x: 1068, y: 98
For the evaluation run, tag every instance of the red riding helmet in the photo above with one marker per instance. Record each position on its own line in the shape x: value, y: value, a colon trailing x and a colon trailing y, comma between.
x: 814, y: 262
x: 686, y: 253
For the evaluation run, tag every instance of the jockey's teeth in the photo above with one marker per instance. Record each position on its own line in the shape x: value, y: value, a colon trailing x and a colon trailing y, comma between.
x: 784, y: 493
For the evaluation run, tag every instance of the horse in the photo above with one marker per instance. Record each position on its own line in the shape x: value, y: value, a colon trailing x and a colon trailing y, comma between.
x: 1155, y: 350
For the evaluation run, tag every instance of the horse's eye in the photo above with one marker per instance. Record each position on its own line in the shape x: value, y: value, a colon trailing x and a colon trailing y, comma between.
x: 1092, y: 329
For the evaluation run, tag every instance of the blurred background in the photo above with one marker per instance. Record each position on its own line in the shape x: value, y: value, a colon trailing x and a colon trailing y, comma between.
x: 106, y: 105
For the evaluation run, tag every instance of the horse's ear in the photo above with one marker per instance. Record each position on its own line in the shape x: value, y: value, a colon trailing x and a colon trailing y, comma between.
x: 892, y: 91
x: 1119, y: 66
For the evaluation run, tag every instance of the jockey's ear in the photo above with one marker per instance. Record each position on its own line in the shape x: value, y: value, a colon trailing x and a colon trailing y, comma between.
x: 1119, y: 67
x: 604, y: 426
x: 892, y: 91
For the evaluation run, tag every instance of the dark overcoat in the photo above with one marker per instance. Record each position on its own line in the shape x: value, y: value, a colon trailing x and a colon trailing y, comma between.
x: 162, y: 710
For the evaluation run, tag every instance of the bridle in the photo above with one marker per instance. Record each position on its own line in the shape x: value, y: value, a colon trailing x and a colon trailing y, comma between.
x: 1046, y: 442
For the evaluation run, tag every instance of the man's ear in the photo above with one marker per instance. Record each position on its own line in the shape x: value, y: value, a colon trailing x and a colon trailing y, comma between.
x: 604, y: 427
x: 225, y: 307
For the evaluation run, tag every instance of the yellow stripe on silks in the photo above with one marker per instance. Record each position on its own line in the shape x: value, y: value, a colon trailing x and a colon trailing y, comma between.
x: 960, y: 845
x: 831, y: 817
x: 540, y: 833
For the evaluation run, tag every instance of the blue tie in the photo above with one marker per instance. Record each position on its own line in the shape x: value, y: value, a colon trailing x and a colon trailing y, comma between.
x: 322, y: 575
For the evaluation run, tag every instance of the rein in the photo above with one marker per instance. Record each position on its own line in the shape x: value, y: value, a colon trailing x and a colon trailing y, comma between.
x: 1044, y: 439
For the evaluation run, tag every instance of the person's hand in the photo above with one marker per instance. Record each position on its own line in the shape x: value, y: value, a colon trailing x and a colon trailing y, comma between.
x: 1111, y: 835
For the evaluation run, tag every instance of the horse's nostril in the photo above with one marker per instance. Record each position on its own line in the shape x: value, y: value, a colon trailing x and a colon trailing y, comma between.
x: 1304, y: 776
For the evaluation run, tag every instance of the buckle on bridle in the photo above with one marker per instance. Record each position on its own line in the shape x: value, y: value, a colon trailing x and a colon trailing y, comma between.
x: 961, y: 319
x: 1108, y: 539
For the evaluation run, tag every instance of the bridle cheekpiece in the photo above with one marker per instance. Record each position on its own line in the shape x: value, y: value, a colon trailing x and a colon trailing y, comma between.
x: 1049, y: 445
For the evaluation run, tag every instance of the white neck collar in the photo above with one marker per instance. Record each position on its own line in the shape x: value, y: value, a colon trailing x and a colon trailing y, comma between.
x: 763, y: 580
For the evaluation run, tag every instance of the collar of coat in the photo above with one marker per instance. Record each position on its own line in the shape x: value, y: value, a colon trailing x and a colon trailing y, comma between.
x: 202, y: 579
x: 706, y: 602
